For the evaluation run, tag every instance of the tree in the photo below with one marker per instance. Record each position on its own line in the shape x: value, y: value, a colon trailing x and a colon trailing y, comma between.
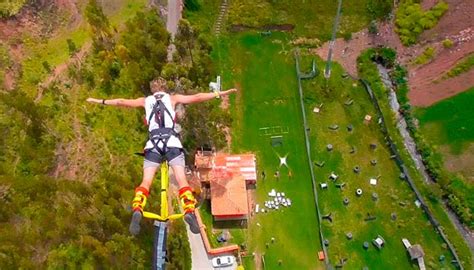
x: 185, y: 39
x: 101, y: 31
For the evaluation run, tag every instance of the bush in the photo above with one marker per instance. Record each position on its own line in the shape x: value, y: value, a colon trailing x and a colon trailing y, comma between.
x: 373, y: 27
x: 411, y: 20
x: 71, y: 46
x: 425, y: 57
x: 461, y: 67
x: 347, y: 36
x: 379, y: 8
x: 11, y: 7
x: 447, y: 43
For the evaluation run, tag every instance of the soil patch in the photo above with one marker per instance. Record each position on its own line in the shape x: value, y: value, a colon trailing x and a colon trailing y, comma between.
x: 460, y: 163
x: 425, y: 86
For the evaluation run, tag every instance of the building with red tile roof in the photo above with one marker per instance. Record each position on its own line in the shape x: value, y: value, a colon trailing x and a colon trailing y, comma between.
x: 228, y: 177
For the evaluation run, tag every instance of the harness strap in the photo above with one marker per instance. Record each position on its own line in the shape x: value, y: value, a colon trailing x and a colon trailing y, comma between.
x: 161, y: 134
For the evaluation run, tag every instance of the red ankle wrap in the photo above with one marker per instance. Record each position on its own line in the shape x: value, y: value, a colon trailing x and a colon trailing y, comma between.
x: 184, y: 189
x: 142, y: 190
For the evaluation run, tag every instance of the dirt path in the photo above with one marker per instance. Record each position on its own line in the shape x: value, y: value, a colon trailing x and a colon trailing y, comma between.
x: 30, y: 20
x: 60, y: 69
x: 456, y: 24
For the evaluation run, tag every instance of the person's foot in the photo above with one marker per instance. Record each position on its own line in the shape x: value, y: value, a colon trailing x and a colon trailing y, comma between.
x: 135, y: 223
x: 139, y: 201
x: 190, y: 218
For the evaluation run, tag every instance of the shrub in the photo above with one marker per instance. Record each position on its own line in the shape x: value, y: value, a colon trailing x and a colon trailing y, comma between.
x: 425, y: 57
x: 379, y: 8
x: 11, y: 7
x: 373, y: 27
x: 447, y: 43
x: 461, y: 67
x: 411, y: 20
x: 71, y: 46
x: 347, y: 36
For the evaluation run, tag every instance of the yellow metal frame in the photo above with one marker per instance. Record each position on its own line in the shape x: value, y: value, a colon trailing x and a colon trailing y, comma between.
x: 163, y: 216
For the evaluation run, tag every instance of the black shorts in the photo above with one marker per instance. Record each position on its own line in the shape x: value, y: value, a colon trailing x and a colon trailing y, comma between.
x: 174, y: 156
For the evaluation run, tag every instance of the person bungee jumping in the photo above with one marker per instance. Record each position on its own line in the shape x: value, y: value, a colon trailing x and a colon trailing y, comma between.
x: 163, y: 144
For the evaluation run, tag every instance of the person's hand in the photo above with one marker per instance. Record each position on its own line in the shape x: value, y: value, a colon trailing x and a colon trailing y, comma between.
x: 94, y: 100
x: 230, y: 91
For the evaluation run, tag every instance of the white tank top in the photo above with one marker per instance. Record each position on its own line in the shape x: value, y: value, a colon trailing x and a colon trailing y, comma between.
x: 149, y: 104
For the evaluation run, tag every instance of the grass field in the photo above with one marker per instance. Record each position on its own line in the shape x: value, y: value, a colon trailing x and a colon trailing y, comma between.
x: 264, y: 72
x: 449, y: 126
x: 410, y: 221
x: 450, y: 121
x: 268, y: 97
x: 311, y: 18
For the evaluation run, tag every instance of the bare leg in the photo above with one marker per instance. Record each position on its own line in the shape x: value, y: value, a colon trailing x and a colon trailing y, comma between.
x: 148, y: 176
x: 180, y: 176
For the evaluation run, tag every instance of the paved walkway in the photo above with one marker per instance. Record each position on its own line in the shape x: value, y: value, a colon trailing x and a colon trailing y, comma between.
x: 200, y: 260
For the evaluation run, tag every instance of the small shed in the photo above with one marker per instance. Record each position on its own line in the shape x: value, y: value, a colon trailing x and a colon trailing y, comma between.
x: 416, y: 252
x: 321, y: 256
x: 378, y: 242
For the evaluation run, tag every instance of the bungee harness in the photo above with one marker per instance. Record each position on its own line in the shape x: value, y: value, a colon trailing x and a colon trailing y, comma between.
x: 163, y: 133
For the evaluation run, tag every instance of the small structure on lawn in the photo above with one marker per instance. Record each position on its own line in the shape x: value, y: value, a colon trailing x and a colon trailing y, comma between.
x: 276, y: 141
x: 375, y: 196
x: 333, y: 127
x: 359, y: 192
x: 333, y: 176
x: 379, y: 242
x: 329, y: 147
x: 367, y: 118
x: 341, y: 185
x: 356, y: 169
x: 320, y: 163
x: 324, y: 185
x: 346, y: 201
x: 365, y: 245
x: 416, y: 253
x: 321, y: 256
x: 349, y: 236
x: 328, y: 217
x: 352, y: 150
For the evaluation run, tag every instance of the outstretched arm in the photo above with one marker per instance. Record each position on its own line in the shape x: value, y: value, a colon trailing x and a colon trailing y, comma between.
x: 200, y: 97
x: 120, y: 102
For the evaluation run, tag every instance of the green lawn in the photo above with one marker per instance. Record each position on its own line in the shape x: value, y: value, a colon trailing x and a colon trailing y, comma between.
x: 206, y: 15
x: 449, y: 122
x: 268, y: 97
x: 311, y: 18
x: 410, y: 222
x: 265, y: 75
